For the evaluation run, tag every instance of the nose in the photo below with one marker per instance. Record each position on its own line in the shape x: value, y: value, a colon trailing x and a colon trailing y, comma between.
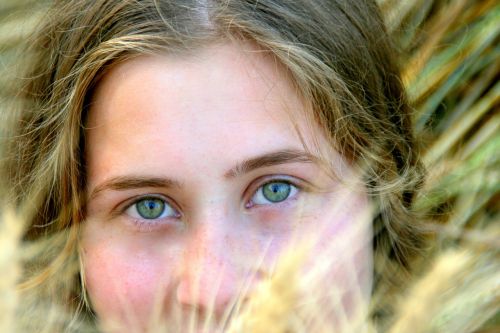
x: 210, y: 277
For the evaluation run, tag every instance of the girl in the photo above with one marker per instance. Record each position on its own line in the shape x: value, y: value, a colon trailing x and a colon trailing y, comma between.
x: 172, y: 151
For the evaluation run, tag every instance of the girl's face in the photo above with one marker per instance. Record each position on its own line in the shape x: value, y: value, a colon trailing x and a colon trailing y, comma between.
x: 198, y: 179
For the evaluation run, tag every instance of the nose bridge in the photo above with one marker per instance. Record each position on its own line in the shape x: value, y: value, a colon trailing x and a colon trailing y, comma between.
x: 209, y: 277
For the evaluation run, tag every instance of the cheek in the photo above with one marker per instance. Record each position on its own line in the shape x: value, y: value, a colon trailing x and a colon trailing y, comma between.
x: 120, y: 283
x: 341, y: 257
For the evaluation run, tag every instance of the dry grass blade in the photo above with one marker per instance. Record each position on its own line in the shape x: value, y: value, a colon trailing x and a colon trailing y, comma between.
x: 398, y: 12
x: 270, y: 309
x: 461, y: 291
x: 487, y: 132
x: 448, y: 50
x: 11, y: 229
x: 447, y: 70
x: 438, y: 28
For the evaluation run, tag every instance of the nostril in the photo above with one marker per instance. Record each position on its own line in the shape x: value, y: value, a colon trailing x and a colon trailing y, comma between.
x: 213, y: 276
x: 207, y: 292
x: 215, y: 295
x: 183, y: 295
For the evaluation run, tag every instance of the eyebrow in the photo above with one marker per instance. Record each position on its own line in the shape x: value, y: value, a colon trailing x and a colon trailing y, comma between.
x: 270, y: 159
x: 122, y: 183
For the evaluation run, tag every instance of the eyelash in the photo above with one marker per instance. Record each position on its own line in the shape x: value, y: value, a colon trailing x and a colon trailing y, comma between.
x: 145, y: 224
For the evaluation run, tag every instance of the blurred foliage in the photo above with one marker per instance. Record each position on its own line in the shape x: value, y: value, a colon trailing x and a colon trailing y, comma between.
x: 451, y: 68
x: 18, y: 19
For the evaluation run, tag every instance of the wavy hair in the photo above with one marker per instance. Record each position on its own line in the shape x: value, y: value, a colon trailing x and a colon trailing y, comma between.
x: 338, y: 53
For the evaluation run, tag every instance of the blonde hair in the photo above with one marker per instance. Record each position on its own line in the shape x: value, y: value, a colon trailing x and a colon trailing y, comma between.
x: 337, y: 52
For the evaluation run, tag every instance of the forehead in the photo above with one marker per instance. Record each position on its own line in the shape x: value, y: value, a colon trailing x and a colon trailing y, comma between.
x: 248, y: 74
x: 229, y: 99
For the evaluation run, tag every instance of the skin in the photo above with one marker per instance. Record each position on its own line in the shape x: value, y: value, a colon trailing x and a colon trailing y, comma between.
x: 181, y: 129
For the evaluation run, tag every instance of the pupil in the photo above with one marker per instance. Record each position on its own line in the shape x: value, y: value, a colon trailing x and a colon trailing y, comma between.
x: 276, y: 192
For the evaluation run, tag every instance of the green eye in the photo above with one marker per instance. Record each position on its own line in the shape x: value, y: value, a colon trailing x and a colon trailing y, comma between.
x: 273, y: 192
x: 150, y: 211
x: 276, y: 192
x: 150, y: 208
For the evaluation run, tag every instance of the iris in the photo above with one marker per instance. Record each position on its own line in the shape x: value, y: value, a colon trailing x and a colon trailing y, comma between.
x: 276, y: 191
x: 150, y: 208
